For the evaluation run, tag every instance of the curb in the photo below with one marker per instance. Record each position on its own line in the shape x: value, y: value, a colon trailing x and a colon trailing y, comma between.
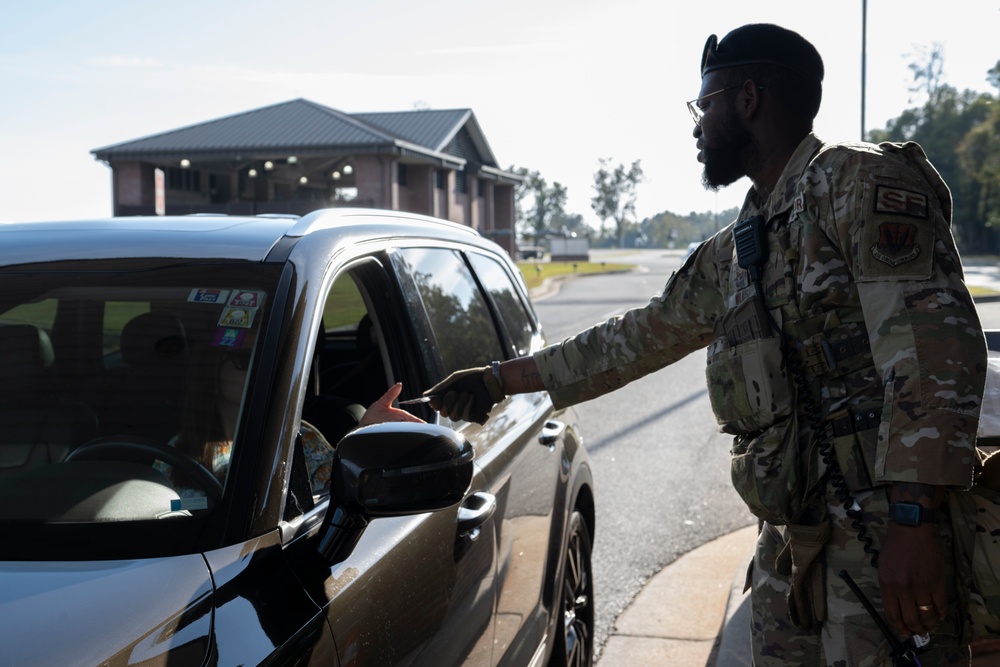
x: 680, y: 615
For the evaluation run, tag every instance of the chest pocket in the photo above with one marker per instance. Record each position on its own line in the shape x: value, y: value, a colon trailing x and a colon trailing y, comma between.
x: 749, y: 384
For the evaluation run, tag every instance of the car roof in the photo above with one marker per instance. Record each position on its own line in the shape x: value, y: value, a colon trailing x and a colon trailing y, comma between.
x: 207, y: 236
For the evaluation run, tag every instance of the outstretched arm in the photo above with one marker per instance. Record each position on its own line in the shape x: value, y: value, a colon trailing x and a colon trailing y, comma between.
x: 470, y: 394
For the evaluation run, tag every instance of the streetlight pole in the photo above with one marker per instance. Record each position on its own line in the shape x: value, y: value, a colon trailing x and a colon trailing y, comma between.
x: 864, y: 59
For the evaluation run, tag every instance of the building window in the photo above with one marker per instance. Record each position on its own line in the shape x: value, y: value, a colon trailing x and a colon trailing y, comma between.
x: 480, y: 187
x: 440, y: 179
x: 460, y: 182
x: 401, y: 174
x: 188, y: 180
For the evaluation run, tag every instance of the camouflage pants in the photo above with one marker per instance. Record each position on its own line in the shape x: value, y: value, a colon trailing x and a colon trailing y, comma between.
x: 848, y: 637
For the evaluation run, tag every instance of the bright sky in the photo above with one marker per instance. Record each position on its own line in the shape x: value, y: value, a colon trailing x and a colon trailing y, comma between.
x: 555, y: 84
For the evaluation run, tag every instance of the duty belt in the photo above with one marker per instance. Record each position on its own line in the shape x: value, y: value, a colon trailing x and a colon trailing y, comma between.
x: 856, y: 421
x: 824, y: 357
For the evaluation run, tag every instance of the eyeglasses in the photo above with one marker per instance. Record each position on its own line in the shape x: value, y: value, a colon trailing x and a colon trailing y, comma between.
x: 696, y: 112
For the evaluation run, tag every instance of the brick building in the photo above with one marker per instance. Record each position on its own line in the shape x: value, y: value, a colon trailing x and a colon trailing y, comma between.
x: 299, y: 156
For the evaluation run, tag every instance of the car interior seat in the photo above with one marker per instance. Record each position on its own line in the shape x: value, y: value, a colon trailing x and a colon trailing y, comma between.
x: 37, y: 427
x: 144, y: 396
x: 366, y: 381
x: 333, y: 415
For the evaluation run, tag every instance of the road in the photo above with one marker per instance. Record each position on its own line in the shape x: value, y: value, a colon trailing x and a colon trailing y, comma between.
x: 661, y: 469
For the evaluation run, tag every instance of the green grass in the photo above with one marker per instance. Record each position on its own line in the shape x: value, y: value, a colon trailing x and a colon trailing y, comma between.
x: 536, y: 272
x: 980, y: 291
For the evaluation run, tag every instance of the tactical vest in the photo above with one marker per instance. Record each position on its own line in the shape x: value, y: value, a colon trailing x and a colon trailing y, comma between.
x: 762, y: 385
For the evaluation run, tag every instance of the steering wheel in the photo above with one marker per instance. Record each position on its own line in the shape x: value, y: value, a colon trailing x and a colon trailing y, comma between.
x: 137, y: 449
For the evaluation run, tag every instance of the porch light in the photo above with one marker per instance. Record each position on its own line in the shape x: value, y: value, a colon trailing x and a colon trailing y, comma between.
x: 252, y: 173
x: 292, y: 159
x: 185, y: 163
x: 268, y: 165
x: 336, y: 175
x: 348, y: 169
x: 303, y: 180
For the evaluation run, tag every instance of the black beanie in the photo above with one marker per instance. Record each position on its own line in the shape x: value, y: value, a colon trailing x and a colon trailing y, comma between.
x: 763, y: 43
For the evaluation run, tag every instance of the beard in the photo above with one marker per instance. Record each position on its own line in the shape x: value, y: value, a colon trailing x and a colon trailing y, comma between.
x: 726, y: 156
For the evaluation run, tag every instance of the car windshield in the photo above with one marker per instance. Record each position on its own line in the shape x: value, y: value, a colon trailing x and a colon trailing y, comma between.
x: 121, y: 387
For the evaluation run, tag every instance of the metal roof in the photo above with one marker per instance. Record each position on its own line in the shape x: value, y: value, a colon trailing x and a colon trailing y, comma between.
x: 302, y: 126
x: 433, y: 128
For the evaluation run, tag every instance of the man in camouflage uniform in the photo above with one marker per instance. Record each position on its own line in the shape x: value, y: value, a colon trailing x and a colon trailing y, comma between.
x: 844, y: 354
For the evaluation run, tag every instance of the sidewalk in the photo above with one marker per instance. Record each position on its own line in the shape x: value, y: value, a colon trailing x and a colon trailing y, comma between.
x: 692, y: 613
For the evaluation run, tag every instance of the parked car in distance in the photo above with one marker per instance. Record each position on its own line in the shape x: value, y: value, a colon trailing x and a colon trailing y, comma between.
x: 183, y: 476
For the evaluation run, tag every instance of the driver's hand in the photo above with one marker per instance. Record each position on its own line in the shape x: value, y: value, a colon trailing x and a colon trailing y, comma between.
x: 467, y: 395
x: 382, y: 410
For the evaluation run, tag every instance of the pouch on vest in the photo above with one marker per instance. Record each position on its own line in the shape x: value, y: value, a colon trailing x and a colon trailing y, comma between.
x: 773, y: 477
x: 748, y: 384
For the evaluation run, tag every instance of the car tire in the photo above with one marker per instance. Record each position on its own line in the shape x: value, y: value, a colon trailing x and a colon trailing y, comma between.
x: 574, y: 640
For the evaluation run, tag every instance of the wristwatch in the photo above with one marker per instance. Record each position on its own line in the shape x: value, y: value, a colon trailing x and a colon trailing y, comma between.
x: 910, y: 514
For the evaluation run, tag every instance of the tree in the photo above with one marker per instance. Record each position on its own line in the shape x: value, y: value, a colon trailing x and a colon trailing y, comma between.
x: 993, y: 76
x: 539, y: 206
x: 616, y: 194
x: 941, y: 126
x: 979, y: 157
x: 928, y: 73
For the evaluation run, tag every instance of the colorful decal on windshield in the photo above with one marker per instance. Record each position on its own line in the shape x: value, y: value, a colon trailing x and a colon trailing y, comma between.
x: 229, y: 337
x: 237, y: 317
x: 246, y: 298
x: 202, y: 295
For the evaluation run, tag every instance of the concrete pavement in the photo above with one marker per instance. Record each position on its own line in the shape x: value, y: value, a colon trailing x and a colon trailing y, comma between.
x: 692, y: 613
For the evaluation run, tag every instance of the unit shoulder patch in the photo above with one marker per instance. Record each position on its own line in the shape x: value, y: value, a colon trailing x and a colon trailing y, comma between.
x: 898, y: 237
x: 896, y: 244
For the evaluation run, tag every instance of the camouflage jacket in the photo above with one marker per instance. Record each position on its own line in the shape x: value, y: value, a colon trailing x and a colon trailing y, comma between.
x: 865, y: 282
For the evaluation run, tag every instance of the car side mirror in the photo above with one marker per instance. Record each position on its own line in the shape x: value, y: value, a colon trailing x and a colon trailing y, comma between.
x: 392, y: 469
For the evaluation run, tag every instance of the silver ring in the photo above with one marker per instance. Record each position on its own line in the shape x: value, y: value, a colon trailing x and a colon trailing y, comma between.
x: 925, y: 607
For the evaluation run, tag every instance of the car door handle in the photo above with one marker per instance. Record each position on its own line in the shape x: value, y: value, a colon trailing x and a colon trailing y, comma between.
x: 474, y: 512
x: 552, y: 431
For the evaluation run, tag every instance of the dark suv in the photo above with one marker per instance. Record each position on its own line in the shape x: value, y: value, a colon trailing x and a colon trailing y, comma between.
x: 183, y: 477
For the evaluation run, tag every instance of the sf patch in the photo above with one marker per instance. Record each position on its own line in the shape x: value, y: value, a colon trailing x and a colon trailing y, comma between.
x: 897, y: 201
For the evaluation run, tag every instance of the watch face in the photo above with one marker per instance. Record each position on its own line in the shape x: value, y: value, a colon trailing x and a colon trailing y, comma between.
x: 907, y: 514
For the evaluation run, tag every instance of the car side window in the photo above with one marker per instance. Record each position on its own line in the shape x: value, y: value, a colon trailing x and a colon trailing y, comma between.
x: 457, y: 310
x: 345, y: 374
x: 512, y: 311
x: 41, y: 314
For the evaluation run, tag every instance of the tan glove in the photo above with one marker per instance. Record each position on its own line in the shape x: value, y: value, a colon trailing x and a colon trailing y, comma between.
x: 467, y: 395
x: 802, y: 558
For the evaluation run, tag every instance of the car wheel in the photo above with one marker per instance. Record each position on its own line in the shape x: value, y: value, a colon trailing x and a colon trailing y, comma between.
x: 574, y: 641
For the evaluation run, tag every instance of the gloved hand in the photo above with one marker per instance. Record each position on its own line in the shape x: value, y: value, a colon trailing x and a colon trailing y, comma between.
x: 467, y: 395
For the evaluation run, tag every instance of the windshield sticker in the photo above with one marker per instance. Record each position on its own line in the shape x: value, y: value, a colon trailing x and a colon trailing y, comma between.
x: 237, y: 317
x: 195, y: 503
x: 229, y: 337
x: 245, y: 298
x: 201, y: 295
